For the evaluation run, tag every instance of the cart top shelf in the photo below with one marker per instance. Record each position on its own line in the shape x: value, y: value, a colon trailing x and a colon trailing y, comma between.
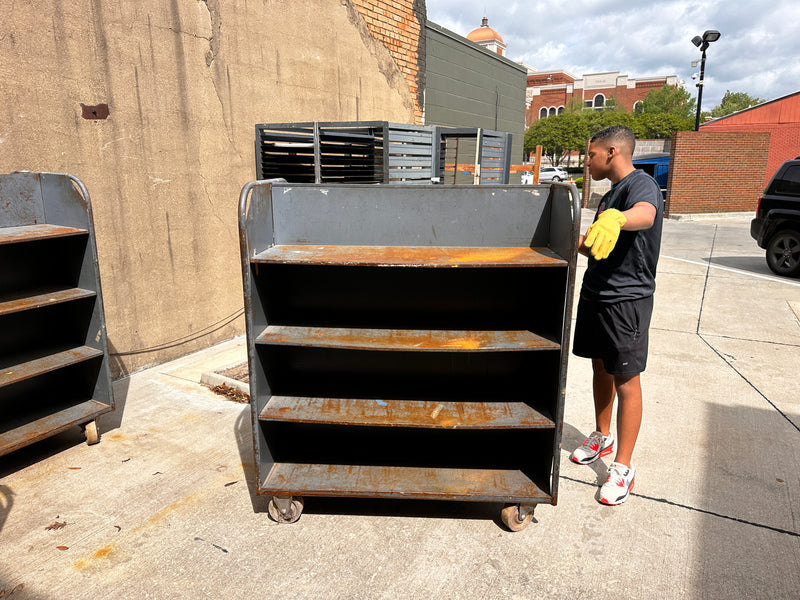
x: 405, y: 339
x: 32, y: 233
x: 410, y: 256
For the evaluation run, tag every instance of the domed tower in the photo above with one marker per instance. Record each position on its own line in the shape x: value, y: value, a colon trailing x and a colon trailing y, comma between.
x: 488, y: 38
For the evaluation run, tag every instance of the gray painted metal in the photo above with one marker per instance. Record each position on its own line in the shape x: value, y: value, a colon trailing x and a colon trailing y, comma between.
x: 43, y: 390
x: 409, y: 216
x: 370, y: 152
x: 375, y: 223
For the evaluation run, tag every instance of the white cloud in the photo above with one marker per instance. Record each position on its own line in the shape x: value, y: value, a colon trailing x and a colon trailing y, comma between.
x: 757, y: 52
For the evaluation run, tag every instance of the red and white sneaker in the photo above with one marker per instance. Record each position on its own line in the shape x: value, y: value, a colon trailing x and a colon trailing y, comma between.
x: 595, y: 446
x: 618, y: 485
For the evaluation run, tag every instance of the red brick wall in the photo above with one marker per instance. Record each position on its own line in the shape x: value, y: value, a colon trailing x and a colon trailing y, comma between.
x: 784, y: 142
x: 626, y: 97
x: 716, y: 172
x: 400, y: 25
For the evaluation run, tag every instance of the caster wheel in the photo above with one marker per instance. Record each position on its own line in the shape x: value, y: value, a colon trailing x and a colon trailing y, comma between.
x: 510, y: 516
x: 291, y: 515
x: 92, y: 435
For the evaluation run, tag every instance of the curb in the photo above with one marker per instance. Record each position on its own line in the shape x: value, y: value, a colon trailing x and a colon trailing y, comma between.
x: 212, y: 379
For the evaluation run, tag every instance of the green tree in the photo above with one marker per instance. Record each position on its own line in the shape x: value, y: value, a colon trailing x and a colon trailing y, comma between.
x: 662, y: 126
x: 611, y: 105
x: 574, y: 105
x: 733, y: 102
x: 670, y: 100
x: 557, y: 135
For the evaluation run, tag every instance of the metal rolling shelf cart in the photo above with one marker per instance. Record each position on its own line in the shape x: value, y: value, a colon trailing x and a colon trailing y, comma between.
x: 408, y: 341
x: 54, y: 371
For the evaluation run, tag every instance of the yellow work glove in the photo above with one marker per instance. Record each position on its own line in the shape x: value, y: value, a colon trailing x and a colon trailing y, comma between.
x: 602, y: 235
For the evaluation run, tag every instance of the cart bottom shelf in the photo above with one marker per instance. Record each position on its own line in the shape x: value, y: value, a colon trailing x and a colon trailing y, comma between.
x: 43, y: 425
x: 422, y: 483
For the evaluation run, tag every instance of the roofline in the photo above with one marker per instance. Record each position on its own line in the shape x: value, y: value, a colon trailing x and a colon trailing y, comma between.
x: 460, y: 38
x: 738, y: 112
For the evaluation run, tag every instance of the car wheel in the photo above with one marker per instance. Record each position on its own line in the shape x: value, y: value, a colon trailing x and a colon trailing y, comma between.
x: 556, y: 178
x: 783, y: 253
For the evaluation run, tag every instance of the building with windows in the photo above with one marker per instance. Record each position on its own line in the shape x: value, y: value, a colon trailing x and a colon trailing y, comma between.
x: 549, y: 92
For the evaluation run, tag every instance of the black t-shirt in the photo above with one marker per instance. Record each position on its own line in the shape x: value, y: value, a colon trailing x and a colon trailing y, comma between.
x: 629, y: 272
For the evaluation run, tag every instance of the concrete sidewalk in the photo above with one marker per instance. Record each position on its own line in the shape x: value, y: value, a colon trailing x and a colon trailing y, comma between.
x: 164, y: 507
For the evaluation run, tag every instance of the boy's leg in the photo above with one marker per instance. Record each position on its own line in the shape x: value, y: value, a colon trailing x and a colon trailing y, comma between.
x: 629, y: 415
x: 604, y: 391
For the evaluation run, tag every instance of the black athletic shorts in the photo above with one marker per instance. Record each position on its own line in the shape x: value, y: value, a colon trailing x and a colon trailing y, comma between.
x: 614, y: 332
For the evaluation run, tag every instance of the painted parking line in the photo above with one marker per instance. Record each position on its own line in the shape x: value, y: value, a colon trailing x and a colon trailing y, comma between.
x: 712, y: 266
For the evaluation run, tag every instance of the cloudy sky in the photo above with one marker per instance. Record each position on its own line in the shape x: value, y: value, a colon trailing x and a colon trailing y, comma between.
x: 758, y: 53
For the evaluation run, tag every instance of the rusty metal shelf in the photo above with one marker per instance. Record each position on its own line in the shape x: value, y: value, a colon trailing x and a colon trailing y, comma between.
x: 33, y: 233
x: 31, y: 299
x: 405, y: 339
x: 405, y: 413
x: 408, y: 342
x: 35, y: 425
x: 46, y: 364
x: 423, y: 483
x: 54, y: 365
x: 411, y: 256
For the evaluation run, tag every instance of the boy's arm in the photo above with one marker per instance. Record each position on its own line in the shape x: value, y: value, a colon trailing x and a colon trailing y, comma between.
x: 640, y: 216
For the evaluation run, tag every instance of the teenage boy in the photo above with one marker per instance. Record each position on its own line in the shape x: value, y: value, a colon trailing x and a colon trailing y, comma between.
x: 616, y: 302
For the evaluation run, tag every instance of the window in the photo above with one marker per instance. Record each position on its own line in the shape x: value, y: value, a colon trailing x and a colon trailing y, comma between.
x: 637, y: 106
x: 560, y: 110
x: 552, y: 111
x: 599, y: 101
x: 542, y: 113
x: 789, y: 182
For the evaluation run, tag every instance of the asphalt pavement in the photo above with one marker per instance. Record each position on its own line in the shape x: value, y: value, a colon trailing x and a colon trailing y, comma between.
x: 164, y: 506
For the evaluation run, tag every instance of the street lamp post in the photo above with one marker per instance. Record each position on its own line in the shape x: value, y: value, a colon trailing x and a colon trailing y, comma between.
x: 709, y: 36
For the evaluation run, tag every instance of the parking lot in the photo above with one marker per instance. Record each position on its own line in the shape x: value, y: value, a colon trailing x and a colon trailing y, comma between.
x: 164, y: 507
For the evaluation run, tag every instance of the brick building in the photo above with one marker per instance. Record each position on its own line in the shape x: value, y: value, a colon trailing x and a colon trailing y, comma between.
x: 399, y: 25
x: 716, y: 172
x: 780, y: 118
x: 548, y: 92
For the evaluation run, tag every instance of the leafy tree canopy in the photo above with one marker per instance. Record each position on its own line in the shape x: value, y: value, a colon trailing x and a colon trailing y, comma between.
x: 561, y: 134
x: 733, y: 102
x: 669, y: 100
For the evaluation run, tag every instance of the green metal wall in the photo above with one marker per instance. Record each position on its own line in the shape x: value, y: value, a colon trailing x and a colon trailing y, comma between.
x: 469, y: 86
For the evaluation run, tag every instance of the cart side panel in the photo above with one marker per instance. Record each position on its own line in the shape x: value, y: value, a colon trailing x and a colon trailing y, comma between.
x: 255, y: 235
x: 564, y: 231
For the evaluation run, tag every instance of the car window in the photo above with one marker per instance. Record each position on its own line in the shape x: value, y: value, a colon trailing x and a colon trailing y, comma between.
x: 789, y: 182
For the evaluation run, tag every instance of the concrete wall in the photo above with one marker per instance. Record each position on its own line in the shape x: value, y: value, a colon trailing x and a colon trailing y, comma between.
x: 716, y: 172
x: 469, y: 86
x: 185, y: 82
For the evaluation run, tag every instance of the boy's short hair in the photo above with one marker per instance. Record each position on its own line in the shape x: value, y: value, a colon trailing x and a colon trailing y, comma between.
x: 618, y: 135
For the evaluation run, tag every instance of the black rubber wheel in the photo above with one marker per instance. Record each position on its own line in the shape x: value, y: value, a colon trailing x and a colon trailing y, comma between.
x: 783, y: 253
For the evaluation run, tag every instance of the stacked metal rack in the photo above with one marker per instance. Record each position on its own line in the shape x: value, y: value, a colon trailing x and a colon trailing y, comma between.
x: 368, y: 152
x: 408, y: 342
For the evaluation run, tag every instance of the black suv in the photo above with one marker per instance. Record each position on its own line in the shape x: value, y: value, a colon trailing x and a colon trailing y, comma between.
x: 777, y: 223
